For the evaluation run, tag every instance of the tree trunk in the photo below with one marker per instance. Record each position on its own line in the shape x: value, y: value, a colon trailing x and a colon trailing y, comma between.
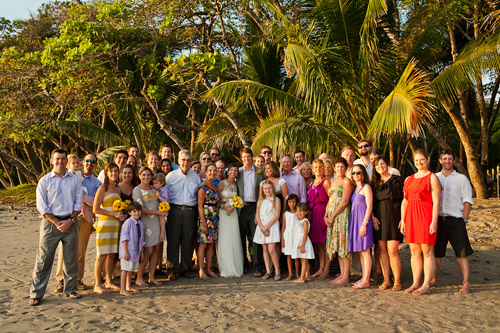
x: 7, y: 171
x: 473, y: 163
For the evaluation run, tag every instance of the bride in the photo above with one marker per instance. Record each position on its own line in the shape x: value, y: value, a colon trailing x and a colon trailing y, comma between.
x: 229, y: 247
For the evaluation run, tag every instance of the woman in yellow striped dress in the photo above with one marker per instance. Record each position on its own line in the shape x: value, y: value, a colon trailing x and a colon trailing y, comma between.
x: 108, y: 228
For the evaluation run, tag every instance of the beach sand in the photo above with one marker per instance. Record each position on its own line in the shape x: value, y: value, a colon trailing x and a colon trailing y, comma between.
x: 251, y: 304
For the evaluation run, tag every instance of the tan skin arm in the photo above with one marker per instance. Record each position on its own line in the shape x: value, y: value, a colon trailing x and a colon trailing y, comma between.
x: 304, y: 238
x: 367, y: 192
x: 283, y: 227
x: 201, y: 213
x: 466, y: 212
x: 404, y: 205
x: 436, y: 198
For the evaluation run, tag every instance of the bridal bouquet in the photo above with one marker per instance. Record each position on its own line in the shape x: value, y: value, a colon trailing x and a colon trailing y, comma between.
x: 236, y: 202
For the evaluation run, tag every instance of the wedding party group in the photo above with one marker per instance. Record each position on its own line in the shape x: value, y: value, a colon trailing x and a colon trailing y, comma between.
x: 269, y: 217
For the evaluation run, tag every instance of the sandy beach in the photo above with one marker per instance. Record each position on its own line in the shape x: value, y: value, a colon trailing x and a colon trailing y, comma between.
x: 251, y: 304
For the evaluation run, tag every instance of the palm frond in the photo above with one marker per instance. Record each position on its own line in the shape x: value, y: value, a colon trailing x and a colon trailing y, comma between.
x: 406, y: 108
x: 92, y: 132
x: 477, y: 57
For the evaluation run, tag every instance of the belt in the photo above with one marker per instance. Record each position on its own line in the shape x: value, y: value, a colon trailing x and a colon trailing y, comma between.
x: 250, y: 203
x: 181, y: 207
x: 449, y: 217
x: 62, y: 217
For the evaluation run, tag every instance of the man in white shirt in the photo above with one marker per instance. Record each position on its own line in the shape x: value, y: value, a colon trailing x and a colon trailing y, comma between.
x: 248, y: 182
x: 454, y: 209
x: 120, y: 159
x: 59, y: 201
x: 364, y: 148
x: 299, y: 157
x: 183, y: 185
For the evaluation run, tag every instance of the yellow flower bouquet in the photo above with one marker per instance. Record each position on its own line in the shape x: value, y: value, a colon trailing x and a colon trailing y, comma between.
x: 164, y: 207
x: 236, y: 202
x: 119, y: 205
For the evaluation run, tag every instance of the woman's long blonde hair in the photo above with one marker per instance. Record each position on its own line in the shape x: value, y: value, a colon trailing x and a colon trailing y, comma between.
x: 261, y: 193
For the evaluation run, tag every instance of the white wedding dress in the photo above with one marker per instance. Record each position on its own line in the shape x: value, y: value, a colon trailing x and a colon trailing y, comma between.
x: 229, y: 247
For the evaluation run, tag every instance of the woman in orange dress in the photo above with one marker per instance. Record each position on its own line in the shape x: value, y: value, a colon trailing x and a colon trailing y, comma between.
x: 419, y: 215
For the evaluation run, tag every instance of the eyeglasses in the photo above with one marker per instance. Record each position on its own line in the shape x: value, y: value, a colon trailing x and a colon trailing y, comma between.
x: 363, y: 146
x: 205, y: 158
x: 266, y: 152
x: 356, y: 173
x: 90, y: 161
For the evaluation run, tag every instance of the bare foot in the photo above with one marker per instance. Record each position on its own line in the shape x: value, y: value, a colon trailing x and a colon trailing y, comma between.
x: 465, y: 288
x: 100, y: 290
x: 289, y: 277
x: 339, y: 281
x: 111, y: 286
x: 323, y: 276
x: 422, y: 291
x: 132, y: 290
x: 300, y: 281
x: 153, y: 281
x: 125, y: 293
x: 433, y: 283
x: 318, y: 273
x: 412, y: 289
x: 141, y: 284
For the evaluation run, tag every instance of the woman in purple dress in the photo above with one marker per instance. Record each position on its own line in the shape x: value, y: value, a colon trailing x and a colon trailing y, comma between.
x: 361, y: 226
x: 317, y: 195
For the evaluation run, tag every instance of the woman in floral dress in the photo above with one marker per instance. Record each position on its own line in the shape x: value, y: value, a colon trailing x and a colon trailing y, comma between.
x: 209, y: 222
x: 337, y: 220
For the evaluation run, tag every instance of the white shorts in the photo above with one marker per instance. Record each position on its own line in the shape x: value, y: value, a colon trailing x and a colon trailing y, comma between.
x: 129, y: 266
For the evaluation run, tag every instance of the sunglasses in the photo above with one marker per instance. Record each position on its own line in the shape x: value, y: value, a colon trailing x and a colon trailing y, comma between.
x: 212, y: 154
x: 356, y: 173
x: 267, y: 152
x: 206, y: 158
x: 363, y: 146
x: 90, y: 161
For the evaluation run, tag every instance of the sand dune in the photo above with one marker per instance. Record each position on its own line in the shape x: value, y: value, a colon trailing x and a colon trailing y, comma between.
x: 251, y: 304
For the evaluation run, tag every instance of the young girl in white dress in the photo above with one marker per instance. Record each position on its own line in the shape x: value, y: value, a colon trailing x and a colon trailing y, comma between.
x: 302, y: 246
x: 288, y: 224
x: 268, y: 231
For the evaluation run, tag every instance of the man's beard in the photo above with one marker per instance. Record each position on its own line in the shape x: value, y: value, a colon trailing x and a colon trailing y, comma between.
x: 365, y: 154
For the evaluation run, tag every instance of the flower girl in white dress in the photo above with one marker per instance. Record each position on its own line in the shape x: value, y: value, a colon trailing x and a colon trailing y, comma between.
x: 302, y: 246
x: 288, y: 225
x: 268, y: 231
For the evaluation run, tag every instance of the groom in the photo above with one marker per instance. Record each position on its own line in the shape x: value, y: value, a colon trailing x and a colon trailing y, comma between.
x: 248, y: 182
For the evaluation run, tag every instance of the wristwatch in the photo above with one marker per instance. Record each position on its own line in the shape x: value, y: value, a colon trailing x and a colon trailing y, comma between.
x: 465, y: 220
x: 73, y: 220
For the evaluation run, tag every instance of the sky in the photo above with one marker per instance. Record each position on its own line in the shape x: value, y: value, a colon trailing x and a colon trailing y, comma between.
x: 19, y: 9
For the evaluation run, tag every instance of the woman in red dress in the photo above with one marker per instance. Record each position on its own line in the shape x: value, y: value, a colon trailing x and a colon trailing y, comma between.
x: 419, y: 215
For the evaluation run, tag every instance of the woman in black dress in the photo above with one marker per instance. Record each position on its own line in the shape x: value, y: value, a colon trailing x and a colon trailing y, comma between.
x: 387, y: 197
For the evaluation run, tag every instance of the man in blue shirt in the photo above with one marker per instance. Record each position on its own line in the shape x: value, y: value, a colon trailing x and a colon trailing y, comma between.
x: 59, y: 201
x: 183, y: 185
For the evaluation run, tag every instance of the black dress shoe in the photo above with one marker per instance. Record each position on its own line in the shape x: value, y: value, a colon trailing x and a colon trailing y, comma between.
x: 187, y: 275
